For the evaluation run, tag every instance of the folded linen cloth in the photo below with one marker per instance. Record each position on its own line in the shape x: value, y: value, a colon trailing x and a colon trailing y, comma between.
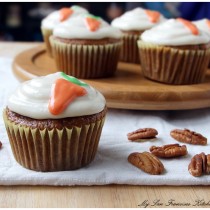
x: 110, y: 165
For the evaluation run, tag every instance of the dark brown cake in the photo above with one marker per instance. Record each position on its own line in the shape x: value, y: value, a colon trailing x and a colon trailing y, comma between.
x: 53, y: 123
x: 88, y: 41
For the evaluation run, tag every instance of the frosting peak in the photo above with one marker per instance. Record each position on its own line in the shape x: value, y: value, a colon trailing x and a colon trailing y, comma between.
x: 86, y: 27
x: 65, y: 13
x: 63, y: 92
x: 33, y: 98
x: 93, y: 23
x: 138, y: 19
x: 153, y: 16
x: 193, y: 28
x: 61, y: 15
x: 174, y: 33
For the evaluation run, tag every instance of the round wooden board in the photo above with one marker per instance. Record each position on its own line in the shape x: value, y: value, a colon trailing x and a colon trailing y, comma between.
x: 128, y: 89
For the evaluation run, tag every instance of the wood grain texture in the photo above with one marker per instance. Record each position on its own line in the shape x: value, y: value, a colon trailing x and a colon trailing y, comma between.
x: 128, y: 89
x: 101, y: 196
x: 92, y: 196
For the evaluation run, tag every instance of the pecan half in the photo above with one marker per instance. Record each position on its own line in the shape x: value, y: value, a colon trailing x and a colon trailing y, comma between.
x: 200, y: 164
x: 204, y: 163
x: 169, y: 151
x: 142, y: 133
x: 146, y: 162
x: 0, y: 145
x: 188, y: 136
x: 208, y: 164
x: 196, y: 165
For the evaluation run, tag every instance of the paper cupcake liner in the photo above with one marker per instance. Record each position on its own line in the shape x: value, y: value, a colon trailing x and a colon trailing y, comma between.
x: 54, y: 150
x: 86, y: 61
x: 129, y: 52
x: 173, y: 66
x: 46, y: 33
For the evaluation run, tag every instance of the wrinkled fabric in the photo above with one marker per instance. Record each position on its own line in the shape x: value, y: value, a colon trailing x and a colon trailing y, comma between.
x: 110, y: 165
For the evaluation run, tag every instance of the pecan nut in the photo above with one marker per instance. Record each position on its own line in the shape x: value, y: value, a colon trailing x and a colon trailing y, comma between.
x: 188, y: 136
x: 196, y: 165
x: 169, y: 151
x: 200, y: 164
x: 142, y: 133
x: 203, y: 157
x: 146, y: 162
x: 208, y: 164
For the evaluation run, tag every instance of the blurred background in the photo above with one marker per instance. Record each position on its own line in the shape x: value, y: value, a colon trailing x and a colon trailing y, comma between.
x: 21, y: 21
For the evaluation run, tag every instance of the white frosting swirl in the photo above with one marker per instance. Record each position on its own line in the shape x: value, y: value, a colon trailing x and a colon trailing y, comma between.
x: 76, y: 28
x: 202, y: 25
x: 174, y: 33
x: 136, y: 20
x: 32, y: 97
x: 53, y: 19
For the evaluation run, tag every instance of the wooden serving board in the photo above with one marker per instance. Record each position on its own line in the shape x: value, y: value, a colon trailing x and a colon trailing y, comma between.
x: 128, y: 89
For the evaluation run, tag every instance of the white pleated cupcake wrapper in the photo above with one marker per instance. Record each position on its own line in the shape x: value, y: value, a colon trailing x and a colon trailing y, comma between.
x: 173, y: 66
x: 54, y: 150
x: 129, y: 52
x: 86, y: 61
x: 46, y: 33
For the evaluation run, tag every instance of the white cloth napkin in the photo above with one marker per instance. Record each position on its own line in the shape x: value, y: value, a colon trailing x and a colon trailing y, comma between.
x: 111, y: 165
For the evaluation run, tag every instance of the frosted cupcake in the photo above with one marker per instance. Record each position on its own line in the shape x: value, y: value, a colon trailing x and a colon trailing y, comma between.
x: 204, y: 25
x: 86, y: 47
x: 133, y: 23
x: 55, y: 18
x: 54, y: 123
x: 175, y: 52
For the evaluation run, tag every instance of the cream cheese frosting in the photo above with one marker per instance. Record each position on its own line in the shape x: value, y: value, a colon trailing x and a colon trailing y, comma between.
x: 174, y: 33
x: 203, y: 24
x: 53, y: 19
x: 32, y: 97
x: 76, y: 28
x: 136, y: 19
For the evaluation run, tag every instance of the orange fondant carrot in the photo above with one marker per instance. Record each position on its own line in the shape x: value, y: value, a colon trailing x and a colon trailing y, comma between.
x: 153, y: 16
x: 92, y: 23
x: 193, y: 28
x: 208, y: 23
x: 63, y: 93
x: 65, y: 13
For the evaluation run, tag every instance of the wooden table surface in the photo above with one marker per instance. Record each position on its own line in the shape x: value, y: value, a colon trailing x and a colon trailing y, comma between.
x: 98, y: 196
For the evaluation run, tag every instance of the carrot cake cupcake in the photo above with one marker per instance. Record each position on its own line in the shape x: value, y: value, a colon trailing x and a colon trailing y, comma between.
x: 57, y: 17
x: 132, y: 24
x: 54, y: 123
x: 175, y: 52
x: 86, y: 47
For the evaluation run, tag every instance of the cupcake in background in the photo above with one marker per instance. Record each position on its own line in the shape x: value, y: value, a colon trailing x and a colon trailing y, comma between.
x: 86, y: 47
x: 54, y: 123
x: 132, y: 24
x: 175, y: 52
x: 204, y: 25
x: 55, y: 18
